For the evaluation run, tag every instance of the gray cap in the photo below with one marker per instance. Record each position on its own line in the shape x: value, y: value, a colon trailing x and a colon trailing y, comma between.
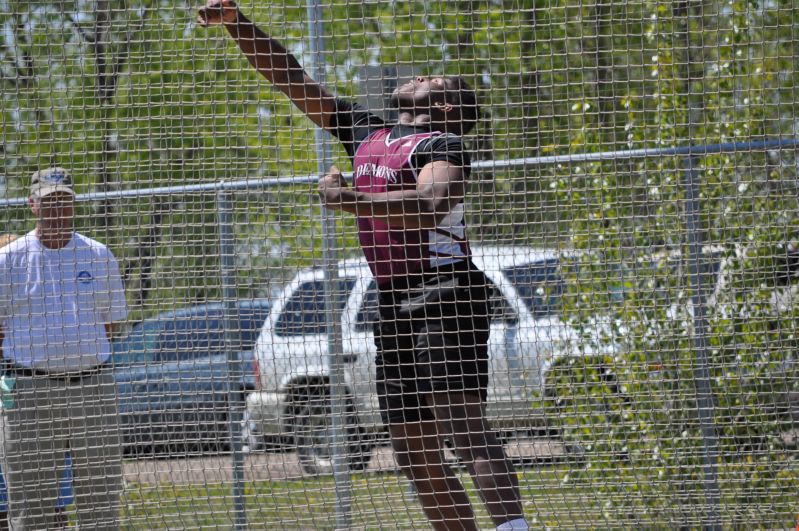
x: 50, y: 180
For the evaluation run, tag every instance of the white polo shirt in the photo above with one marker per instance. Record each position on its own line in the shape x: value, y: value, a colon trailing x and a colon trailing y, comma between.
x: 55, y: 303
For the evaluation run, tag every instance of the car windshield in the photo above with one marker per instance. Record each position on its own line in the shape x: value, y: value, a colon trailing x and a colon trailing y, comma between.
x: 202, y: 333
x: 250, y: 322
x: 184, y: 337
x: 305, y: 311
x: 539, y: 285
x: 367, y: 314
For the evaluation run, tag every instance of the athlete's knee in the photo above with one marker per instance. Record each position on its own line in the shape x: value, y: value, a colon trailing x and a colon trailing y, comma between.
x: 479, y: 447
x: 401, y: 454
x: 473, y: 434
x: 404, y: 449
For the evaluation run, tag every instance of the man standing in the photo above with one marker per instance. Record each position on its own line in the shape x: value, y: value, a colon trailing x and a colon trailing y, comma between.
x: 432, y: 361
x: 60, y: 294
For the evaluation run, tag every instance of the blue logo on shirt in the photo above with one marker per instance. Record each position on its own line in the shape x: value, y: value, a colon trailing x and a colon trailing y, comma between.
x: 84, y: 277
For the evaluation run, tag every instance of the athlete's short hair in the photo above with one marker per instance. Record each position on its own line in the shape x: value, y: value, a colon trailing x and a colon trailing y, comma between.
x: 464, y: 97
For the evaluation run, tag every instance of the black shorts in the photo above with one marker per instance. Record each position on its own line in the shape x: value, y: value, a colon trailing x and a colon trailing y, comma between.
x: 432, y: 336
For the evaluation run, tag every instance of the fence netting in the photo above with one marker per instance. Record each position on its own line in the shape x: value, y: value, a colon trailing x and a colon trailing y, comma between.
x: 633, y: 201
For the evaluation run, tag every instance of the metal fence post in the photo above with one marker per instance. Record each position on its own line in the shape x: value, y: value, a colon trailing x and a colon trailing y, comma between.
x: 694, y: 239
x: 697, y: 276
x: 338, y: 406
x: 227, y: 276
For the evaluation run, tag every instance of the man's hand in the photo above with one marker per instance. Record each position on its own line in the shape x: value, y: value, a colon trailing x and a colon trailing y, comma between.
x: 330, y: 188
x: 218, y: 12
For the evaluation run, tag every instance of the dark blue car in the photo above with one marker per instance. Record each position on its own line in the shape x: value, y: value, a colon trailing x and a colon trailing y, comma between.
x: 175, y: 378
x: 174, y: 381
x: 65, y: 497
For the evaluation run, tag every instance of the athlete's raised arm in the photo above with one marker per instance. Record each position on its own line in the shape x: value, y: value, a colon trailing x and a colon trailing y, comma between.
x: 272, y: 60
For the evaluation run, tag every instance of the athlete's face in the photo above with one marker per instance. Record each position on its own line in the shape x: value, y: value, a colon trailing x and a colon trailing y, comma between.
x: 420, y: 93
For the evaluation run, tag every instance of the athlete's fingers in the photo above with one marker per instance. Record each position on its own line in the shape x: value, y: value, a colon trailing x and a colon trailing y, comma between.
x: 329, y: 182
x: 334, y: 173
x: 217, y: 12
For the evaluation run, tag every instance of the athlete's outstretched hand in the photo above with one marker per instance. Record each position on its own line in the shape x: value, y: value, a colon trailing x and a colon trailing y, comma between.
x: 218, y: 12
x: 330, y: 188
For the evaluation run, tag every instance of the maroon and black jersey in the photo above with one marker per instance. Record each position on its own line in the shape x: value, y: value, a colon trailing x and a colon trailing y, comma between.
x: 386, y: 158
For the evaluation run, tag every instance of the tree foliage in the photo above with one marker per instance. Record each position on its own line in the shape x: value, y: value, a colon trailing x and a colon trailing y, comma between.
x: 133, y: 95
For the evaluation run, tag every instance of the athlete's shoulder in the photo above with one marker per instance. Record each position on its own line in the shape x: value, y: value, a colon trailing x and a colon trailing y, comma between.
x: 447, y: 137
x: 441, y: 146
x: 351, y: 122
x: 446, y: 134
x: 441, y: 142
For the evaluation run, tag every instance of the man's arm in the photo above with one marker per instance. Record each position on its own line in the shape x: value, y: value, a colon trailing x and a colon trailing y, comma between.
x: 272, y: 60
x: 439, y: 187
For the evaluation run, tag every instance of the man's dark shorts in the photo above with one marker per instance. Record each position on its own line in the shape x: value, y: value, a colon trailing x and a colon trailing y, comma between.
x: 432, y: 336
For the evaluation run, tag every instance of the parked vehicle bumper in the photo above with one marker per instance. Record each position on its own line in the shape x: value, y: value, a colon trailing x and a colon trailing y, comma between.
x: 516, y: 414
x: 265, y: 411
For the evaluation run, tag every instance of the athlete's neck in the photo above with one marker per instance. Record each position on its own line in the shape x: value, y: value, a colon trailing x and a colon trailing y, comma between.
x: 420, y: 120
x: 409, y: 118
x: 432, y: 121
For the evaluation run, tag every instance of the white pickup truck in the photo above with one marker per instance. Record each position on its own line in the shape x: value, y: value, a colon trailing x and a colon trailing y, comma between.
x: 293, y: 402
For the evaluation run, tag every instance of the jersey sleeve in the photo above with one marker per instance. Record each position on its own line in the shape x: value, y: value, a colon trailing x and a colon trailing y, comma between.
x: 351, y: 124
x: 442, y: 147
x: 5, y: 287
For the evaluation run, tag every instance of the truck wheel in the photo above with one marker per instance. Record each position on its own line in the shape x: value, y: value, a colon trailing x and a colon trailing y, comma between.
x: 314, y: 436
x: 251, y: 440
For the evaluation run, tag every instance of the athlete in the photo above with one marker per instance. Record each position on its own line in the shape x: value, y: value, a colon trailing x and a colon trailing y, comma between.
x: 432, y: 332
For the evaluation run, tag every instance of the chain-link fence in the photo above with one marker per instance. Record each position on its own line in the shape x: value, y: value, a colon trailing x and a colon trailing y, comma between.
x: 632, y: 201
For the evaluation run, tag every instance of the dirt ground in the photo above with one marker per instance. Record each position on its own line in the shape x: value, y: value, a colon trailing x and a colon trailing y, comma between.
x: 259, y: 466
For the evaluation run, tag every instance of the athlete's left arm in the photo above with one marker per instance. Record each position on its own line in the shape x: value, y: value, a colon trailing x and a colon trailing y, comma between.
x: 439, y: 187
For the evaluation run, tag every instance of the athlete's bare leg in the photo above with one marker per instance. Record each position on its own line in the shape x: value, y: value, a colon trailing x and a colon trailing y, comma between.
x: 419, y: 453
x: 461, y: 416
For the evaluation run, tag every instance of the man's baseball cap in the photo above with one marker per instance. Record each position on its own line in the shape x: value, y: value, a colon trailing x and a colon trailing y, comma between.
x: 50, y: 180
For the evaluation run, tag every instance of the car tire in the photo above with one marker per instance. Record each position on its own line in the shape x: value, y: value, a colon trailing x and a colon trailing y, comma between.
x: 312, y: 428
x: 251, y: 440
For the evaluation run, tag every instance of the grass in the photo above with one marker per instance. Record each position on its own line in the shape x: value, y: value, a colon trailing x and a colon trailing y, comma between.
x: 379, y: 501
x: 556, y: 496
